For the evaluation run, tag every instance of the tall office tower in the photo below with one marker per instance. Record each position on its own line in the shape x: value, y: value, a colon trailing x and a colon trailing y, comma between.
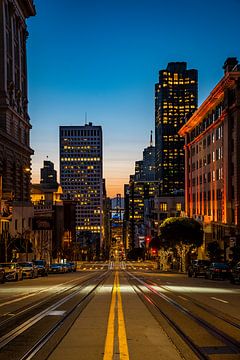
x: 145, y: 169
x: 48, y: 174
x: 176, y: 97
x: 81, y: 179
x: 149, y: 162
x: 15, y: 151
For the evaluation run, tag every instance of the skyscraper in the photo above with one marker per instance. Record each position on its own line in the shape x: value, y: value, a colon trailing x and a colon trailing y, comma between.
x: 48, y: 174
x: 176, y: 96
x: 145, y: 169
x: 81, y: 179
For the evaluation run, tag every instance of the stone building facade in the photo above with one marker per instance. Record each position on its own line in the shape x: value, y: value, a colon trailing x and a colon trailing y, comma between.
x: 15, y: 151
x: 212, y: 161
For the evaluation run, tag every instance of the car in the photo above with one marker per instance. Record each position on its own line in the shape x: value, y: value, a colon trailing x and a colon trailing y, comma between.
x: 42, y: 267
x: 68, y: 266
x: 13, y: 271
x: 218, y: 270
x: 72, y: 266
x: 56, y: 268
x: 29, y: 269
x: 198, y: 268
x: 2, y: 275
x: 235, y: 274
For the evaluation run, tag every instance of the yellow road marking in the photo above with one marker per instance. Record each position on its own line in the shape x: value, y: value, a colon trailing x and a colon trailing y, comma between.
x: 122, y: 338
x: 109, y: 343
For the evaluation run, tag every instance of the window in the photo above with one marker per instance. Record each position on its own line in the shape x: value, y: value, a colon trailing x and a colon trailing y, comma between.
x: 208, y: 158
x: 208, y: 140
x: 178, y: 206
x: 163, y: 206
x: 209, y: 177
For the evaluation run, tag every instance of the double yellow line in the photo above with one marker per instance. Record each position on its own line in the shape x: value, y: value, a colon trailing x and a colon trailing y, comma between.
x: 122, y: 338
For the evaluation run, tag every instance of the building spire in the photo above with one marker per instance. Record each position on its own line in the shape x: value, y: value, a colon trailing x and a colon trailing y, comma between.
x: 151, y: 140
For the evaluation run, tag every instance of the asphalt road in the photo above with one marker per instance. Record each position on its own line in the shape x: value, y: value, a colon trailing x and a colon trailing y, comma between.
x: 123, y: 310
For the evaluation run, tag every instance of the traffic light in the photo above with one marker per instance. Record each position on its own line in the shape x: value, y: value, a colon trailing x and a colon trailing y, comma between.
x: 148, y: 239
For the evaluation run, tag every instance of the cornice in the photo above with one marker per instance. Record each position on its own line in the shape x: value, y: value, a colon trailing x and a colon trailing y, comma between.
x: 28, y: 7
x: 211, y: 101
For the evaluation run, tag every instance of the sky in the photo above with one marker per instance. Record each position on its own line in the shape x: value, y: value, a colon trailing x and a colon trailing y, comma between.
x: 103, y: 57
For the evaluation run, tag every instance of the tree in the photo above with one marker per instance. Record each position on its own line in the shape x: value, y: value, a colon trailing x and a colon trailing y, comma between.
x: 181, y: 235
x: 185, y: 231
x: 155, y: 243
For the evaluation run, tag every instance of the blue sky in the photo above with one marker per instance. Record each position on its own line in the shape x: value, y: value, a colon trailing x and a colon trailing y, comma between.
x: 103, y: 57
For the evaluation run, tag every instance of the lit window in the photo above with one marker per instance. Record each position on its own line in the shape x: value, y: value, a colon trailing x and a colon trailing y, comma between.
x: 163, y: 206
x: 178, y: 206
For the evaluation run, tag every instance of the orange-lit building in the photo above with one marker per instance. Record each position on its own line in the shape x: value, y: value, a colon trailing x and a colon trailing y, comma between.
x: 212, y: 161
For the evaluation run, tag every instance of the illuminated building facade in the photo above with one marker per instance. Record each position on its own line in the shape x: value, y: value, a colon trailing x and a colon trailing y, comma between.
x: 175, y: 98
x: 81, y: 179
x: 145, y: 169
x: 136, y: 194
x: 48, y: 174
x: 15, y: 151
x: 212, y: 158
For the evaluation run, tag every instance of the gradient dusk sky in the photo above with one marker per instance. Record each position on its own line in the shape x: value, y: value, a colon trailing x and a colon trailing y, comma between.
x: 103, y: 56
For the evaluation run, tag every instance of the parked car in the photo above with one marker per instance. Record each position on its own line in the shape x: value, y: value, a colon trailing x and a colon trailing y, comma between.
x: 218, y: 271
x: 29, y: 270
x: 68, y: 266
x: 198, y: 268
x: 235, y: 274
x: 13, y: 271
x: 56, y: 268
x: 65, y: 268
x: 72, y: 266
x: 2, y: 274
x: 42, y: 267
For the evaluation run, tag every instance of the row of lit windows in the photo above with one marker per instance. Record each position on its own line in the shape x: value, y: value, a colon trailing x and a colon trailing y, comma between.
x: 163, y: 206
x: 98, y: 227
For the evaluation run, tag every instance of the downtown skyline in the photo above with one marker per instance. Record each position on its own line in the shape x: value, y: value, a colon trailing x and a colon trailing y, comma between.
x: 104, y: 60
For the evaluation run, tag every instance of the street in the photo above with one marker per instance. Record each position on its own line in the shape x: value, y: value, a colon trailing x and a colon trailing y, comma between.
x: 97, y: 313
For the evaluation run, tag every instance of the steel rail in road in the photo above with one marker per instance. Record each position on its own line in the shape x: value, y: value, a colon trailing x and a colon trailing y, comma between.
x: 39, y: 343
x: 27, y: 310
x: 232, y: 345
x: 201, y: 305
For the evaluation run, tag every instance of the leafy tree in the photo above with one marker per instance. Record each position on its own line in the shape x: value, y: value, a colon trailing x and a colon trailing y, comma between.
x: 214, y: 251
x: 155, y: 243
x: 136, y: 253
x: 181, y: 231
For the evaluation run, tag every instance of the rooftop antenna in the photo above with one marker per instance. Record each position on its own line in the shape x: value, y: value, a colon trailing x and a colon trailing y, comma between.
x: 85, y: 118
x: 151, y: 140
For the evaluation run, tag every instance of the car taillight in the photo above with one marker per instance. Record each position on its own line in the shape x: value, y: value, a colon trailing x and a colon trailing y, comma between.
x: 216, y: 270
